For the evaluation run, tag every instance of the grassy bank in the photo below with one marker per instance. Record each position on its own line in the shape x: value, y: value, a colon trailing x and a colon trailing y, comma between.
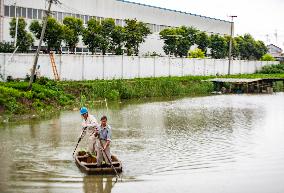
x: 48, y: 96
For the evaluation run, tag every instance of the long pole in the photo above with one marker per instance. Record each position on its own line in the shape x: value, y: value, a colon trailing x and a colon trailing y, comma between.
x: 17, y: 23
x: 231, y: 43
x: 103, y: 151
x: 39, y: 45
x: 1, y: 19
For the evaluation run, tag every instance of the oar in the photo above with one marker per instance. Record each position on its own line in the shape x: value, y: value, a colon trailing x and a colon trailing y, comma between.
x: 79, y: 140
x: 103, y: 151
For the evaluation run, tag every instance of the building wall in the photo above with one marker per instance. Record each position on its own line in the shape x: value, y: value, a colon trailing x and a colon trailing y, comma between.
x: 156, y: 18
x: 88, y: 67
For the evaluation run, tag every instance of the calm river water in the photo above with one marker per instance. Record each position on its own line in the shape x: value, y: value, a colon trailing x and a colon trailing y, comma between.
x: 230, y: 144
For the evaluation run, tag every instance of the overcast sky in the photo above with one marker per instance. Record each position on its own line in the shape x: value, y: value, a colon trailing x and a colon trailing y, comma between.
x: 257, y: 17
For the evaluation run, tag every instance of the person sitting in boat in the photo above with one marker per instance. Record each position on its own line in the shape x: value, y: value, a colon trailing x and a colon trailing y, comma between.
x: 89, y: 125
x: 103, y: 144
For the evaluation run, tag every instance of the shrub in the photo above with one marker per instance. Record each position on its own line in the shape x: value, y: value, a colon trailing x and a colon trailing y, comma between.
x: 196, y: 53
x: 273, y: 69
x: 267, y: 57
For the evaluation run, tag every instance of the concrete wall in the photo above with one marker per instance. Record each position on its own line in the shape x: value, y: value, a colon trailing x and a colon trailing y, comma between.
x: 88, y: 67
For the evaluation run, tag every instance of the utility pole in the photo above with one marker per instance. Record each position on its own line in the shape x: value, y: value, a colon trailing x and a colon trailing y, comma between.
x: 40, y: 42
x: 17, y: 23
x: 1, y: 19
x: 231, y: 43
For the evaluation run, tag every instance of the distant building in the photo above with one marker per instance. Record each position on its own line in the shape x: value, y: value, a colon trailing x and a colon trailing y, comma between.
x: 156, y: 18
x: 275, y: 51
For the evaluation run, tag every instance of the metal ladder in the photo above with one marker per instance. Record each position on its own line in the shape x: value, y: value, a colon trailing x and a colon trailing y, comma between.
x: 54, y: 69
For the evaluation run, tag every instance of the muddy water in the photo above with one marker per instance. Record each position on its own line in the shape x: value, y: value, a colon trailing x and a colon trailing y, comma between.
x: 231, y: 143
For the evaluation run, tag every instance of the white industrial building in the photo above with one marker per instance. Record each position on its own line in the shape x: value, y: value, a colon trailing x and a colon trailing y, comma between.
x: 157, y: 18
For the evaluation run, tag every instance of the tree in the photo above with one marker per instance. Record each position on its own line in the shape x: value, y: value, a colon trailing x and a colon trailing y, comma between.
x: 92, y: 35
x: 235, y: 49
x: 196, y: 53
x: 202, y: 41
x: 24, y: 39
x: 72, y: 28
x: 218, y: 46
x: 108, y: 26
x: 118, y: 38
x: 260, y: 50
x: 178, y: 40
x: 136, y: 33
x: 187, y: 38
x: 169, y: 36
x: 249, y: 48
x: 54, y: 33
x: 267, y: 57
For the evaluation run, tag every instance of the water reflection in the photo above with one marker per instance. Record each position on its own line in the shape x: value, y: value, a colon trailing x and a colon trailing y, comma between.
x: 98, y: 184
x: 168, y: 139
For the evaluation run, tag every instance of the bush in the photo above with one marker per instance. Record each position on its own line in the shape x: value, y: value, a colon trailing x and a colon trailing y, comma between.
x: 267, y: 57
x: 6, y: 47
x: 196, y: 53
x: 273, y: 69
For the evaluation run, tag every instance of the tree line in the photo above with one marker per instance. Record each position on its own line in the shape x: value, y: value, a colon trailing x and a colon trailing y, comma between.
x: 179, y: 40
x: 107, y: 37
x: 104, y: 36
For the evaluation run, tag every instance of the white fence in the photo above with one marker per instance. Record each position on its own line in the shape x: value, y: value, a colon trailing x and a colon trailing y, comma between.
x: 87, y: 67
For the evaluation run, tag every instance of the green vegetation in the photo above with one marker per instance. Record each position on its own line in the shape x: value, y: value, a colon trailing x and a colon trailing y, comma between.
x: 54, y: 33
x: 48, y: 96
x: 273, y: 69
x: 218, y: 46
x: 24, y: 39
x: 196, y: 53
x: 6, y: 47
x: 267, y: 57
x: 178, y: 40
x: 72, y: 28
x: 135, y: 34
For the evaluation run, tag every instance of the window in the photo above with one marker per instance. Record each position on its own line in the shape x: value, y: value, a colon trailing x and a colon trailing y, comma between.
x: 7, y: 11
x: 19, y: 12
x: 34, y: 13
x: 30, y: 13
x: 54, y: 14
x: 39, y: 14
x: 86, y: 18
x: 78, y: 16
x: 24, y: 12
x: 60, y: 16
x: 12, y: 11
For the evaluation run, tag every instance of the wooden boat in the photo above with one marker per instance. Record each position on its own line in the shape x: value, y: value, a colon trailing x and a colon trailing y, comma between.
x: 88, y: 164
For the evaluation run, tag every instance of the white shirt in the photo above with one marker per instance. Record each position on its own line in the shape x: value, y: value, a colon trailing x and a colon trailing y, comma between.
x: 91, y: 123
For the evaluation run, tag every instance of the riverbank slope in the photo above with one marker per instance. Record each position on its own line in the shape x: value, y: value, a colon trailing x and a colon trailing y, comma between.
x: 48, y: 97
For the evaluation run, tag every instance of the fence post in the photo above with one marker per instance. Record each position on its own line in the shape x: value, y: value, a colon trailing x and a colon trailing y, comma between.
x: 4, y: 68
x: 83, y: 67
x: 122, y: 66
x: 169, y: 65
x: 204, y: 67
x: 182, y: 67
x: 193, y: 62
x: 103, y: 67
x: 60, y: 64
x: 154, y: 66
x: 139, y: 67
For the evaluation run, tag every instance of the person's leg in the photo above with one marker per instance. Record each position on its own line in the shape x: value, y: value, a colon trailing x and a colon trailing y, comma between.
x: 107, y: 153
x: 99, y: 155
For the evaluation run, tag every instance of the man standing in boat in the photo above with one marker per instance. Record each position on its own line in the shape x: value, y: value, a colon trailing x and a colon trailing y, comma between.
x: 103, y: 144
x: 89, y: 125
